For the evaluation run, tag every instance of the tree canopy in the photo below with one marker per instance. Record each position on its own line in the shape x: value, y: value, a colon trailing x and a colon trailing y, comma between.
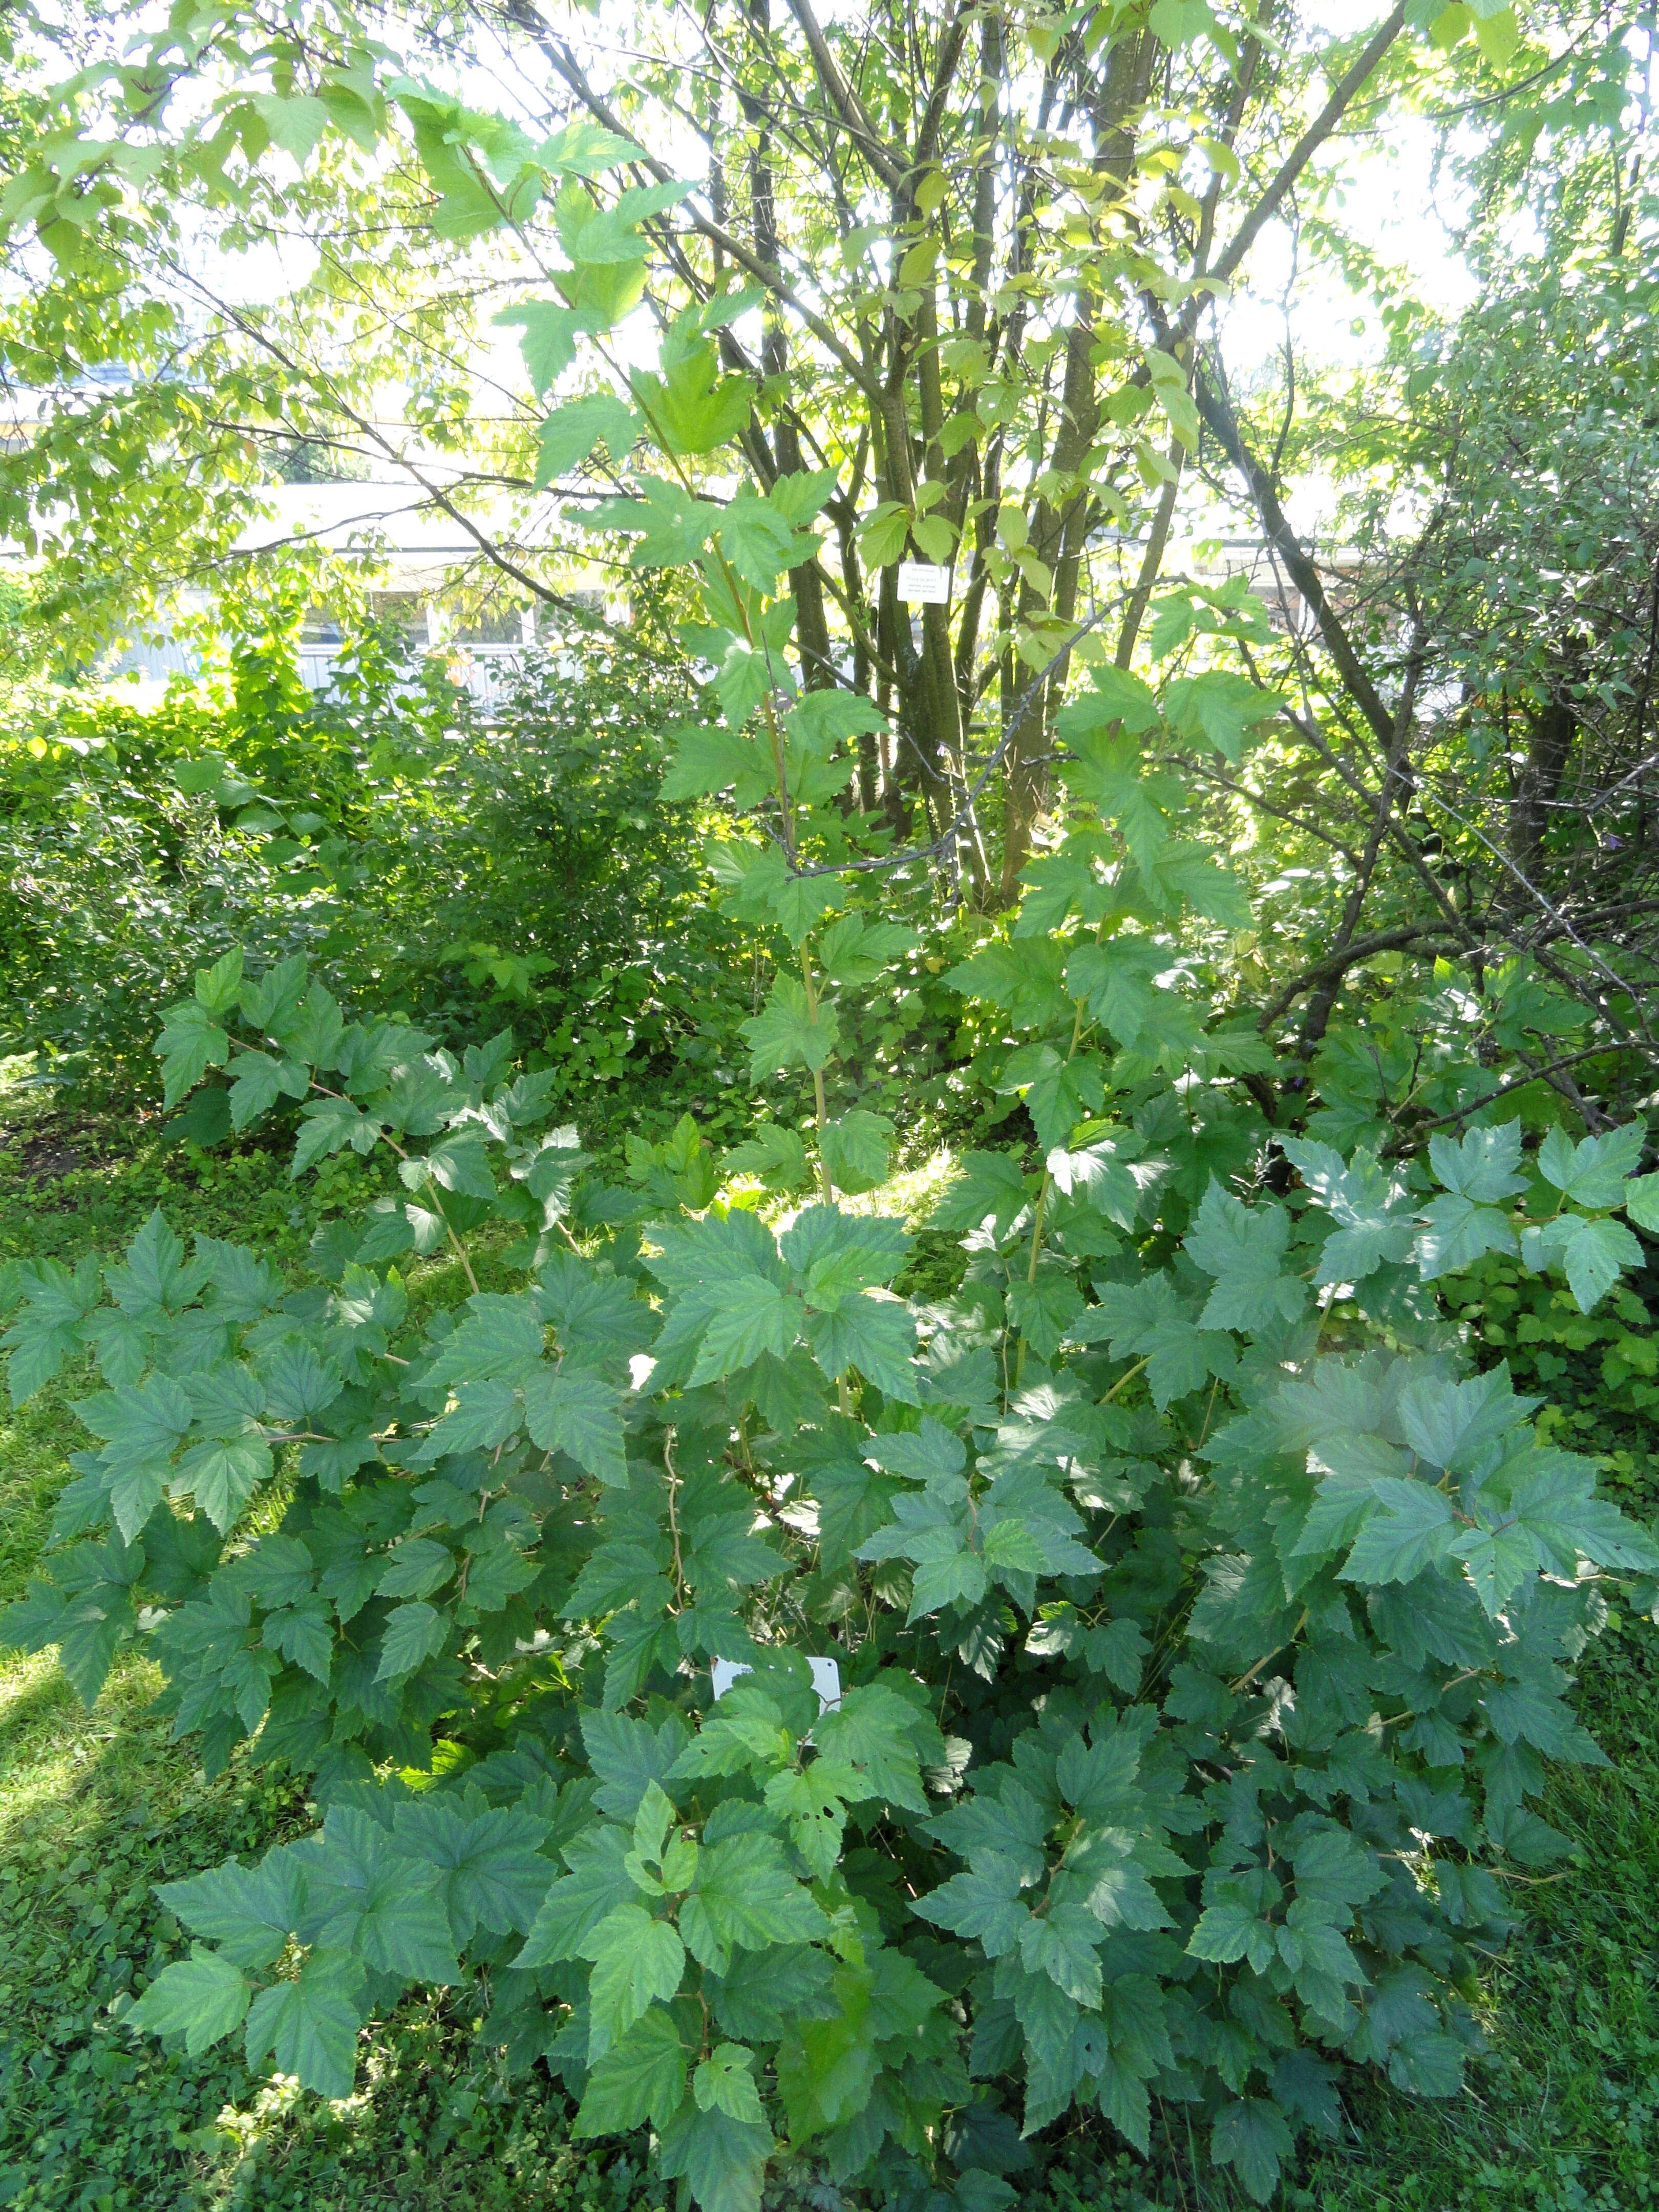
x: 955, y: 267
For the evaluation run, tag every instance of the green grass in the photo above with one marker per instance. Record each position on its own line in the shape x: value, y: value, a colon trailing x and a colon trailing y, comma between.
x: 96, y: 1808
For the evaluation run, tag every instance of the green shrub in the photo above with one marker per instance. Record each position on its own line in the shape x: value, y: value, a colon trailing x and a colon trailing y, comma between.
x: 1202, y: 1629
x: 422, y: 857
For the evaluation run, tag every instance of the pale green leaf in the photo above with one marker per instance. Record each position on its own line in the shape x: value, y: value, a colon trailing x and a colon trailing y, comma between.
x: 1243, y: 1247
x: 570, y: 433
x: 1592, y: 1173
x: 857, y: 1150
x: 789, y: 1032
x: 637, y: 1961
x: 725, y: 2083
x: 1481, y: 1165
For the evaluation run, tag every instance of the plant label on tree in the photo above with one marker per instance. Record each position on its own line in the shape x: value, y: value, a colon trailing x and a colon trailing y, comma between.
x: 924, y: 584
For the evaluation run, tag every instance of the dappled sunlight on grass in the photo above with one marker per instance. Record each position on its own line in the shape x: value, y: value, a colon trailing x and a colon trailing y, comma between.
x: 32, y: 1469
x: 84, y: 1767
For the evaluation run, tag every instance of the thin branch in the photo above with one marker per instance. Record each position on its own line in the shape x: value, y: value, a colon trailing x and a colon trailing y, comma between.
x: 1295, y: 161
x: 1333, y: 965
x: 435, y: 494
x: 891, y: 166
x: 1565, y: 926
x: 1206, y: 774
x: 1406, y: 1141
x: 1217, y: 413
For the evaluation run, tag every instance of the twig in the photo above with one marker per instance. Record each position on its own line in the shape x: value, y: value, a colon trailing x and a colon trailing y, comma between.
x: 1256, y: 1666
x: 1546, y: 904
x: 1404, y: 1143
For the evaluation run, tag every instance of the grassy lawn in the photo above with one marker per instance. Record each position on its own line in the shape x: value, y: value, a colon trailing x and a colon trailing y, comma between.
x: 95, y: 1809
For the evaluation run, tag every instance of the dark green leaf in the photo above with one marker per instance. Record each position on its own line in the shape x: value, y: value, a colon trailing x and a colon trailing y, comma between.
x: 309, y: 2025
x: 202, y: 1998
x: 640, y: 2078
x: 1252, y: 2137
x: 721, y: 2160
x: 571, y: 1410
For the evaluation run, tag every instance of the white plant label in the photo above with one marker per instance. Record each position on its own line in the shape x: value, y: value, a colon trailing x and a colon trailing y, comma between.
x: 826, y: 1679
x: 924, y: 584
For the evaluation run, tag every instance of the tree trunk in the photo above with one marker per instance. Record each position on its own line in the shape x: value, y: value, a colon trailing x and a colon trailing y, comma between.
x: 1552, y: 728
x: 1060, y: 528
